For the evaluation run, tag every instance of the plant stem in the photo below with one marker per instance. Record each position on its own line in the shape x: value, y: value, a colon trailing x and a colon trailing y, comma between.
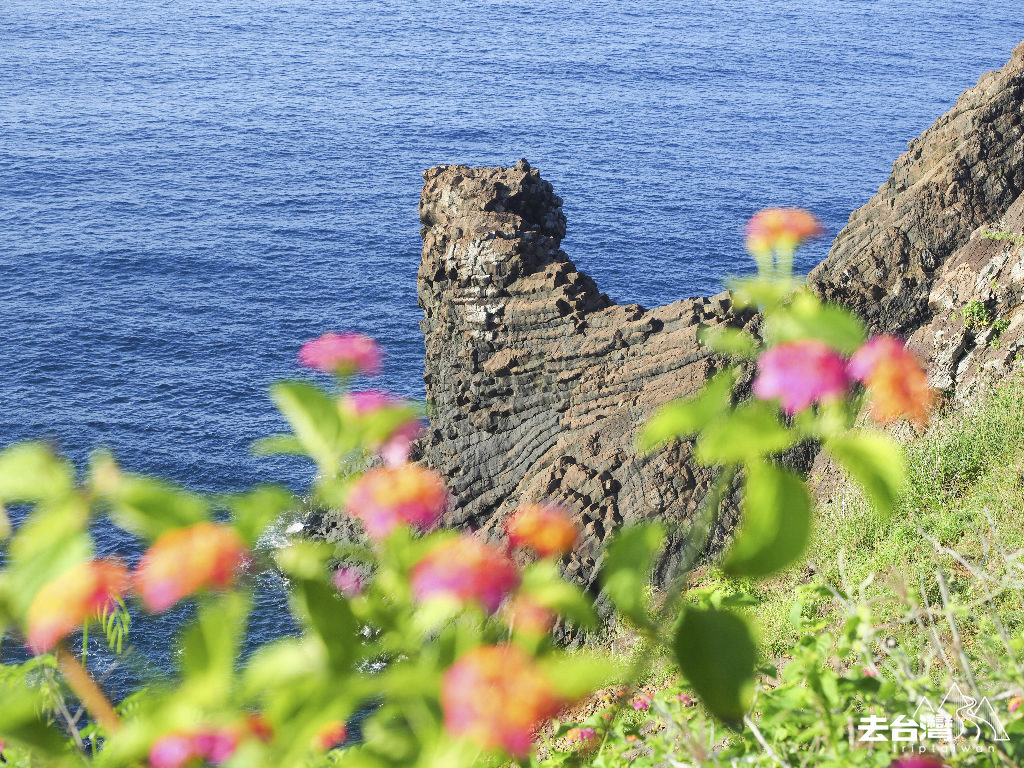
x: 90, y: 694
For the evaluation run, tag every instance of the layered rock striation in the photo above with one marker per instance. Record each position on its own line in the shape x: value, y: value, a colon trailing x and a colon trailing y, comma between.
x: 538, y: 383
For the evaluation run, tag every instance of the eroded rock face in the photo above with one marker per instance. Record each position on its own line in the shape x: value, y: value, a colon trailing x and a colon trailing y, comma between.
x: 964, y: 171
x: 537, y: 381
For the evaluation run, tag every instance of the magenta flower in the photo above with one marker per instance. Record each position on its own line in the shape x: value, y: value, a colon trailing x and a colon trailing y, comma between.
x: 171, y: 751
x: 395, y: 446
x: 387, y: 497
x: 468, y: 570
x: 348, y: 581
x: 799, y: 373
x: 642, y: 702
x: 918, y: 761
x: 344, y: 353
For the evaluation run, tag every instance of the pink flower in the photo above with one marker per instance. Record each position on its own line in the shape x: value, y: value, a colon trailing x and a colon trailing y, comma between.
x: 580, y: 734
x: 387, y: 497
x: 800, y: 373
x: 331, y: 735
x: 895, y: 378
x: 348, y: 581
x: 172, y: 751
x: 780, y: 229
x: 1014, y: 704
x: 344, y: 353
x: 497, y: 695
x: 642, y: 702
x: 683, y: 699
x: 72, y: 599
x: 918, y: 761
x: 468, y: 570
x: 184, y: 560
x: 389, y: 423
x: 216, y: 746
x: 869, y: 672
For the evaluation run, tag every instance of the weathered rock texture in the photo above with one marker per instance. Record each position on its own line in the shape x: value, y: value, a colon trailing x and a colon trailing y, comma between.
x: 539, y: 382
x: 963, y: 172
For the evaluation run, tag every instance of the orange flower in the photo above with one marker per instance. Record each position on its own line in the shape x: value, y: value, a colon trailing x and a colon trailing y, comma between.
x: 529, y: 617
x: 468, y: 570
x: 330, y: 736
x: 780, y: 229
x: 895, y: 378
x: 185, y: 560
x: 547, y: 528
x: 497, y: 695
x: 388, y: 497
x: 73, y: 598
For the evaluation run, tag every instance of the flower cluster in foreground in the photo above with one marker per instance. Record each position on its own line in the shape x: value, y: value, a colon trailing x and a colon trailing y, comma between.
x: 497, y: 695
x: 780, y: 229
x: 67, y: 602
x: 342, y: 353
x: 467, y: 570
x: 546, y: 528
x: 185, y: 560
x: 802, y: 373
x: 387, y: 497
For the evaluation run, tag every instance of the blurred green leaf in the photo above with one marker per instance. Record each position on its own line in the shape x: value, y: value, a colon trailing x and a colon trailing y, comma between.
x: 718, y: 656
x: 148, y: 507
x: 577, y: 675
x: 210, y: 647
x: 682, y: 418
x: 315, y: 420
x: 23, y: 722
x: 750, y: 431
x: 626, y: 570
x: 277, y: 444
x: 874, y: 461
x: 30, y: 472
x: 733, y: 342
x: 545, y: 586
x: 760, y: 292
x: 776, y: 522
x: 806, y: 317
x: 329, y: 615
x: 253, y: 512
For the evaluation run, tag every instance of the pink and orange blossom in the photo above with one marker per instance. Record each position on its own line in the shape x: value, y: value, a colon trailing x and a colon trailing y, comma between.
x: 497, y: 695
x: 387, y: 497
x: 800, y: 373
x: 73, y: 598
x: 468, y: 570
x: 546, y: 528
x: 780, y: 229
x: 342, y: 353
x: 895, y: 378
x: 184, y: 560
x: 394, y: 447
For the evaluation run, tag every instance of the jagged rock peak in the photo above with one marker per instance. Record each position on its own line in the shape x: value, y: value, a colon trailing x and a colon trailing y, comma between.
x: 538, y: 383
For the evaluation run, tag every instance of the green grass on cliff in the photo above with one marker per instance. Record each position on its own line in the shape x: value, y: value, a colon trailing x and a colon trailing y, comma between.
x: 962, y: 514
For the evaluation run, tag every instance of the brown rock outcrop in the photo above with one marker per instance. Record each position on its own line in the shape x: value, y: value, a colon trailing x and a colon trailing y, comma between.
x: 963, y: 172
x: 537, y: 382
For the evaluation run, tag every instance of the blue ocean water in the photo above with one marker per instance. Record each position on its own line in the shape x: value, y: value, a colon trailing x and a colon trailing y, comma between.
x: 188, y: 189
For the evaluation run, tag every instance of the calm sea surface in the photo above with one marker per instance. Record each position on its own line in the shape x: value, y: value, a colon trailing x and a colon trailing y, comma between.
x: 188, y: 189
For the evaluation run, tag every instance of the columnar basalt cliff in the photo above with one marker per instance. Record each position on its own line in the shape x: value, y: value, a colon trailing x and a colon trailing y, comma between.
x: 539, y: 383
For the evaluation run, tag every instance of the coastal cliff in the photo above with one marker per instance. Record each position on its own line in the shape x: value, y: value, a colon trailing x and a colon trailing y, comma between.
x: 538, y: 383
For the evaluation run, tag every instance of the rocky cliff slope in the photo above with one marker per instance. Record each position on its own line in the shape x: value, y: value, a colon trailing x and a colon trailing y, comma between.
x: 539, y: 383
